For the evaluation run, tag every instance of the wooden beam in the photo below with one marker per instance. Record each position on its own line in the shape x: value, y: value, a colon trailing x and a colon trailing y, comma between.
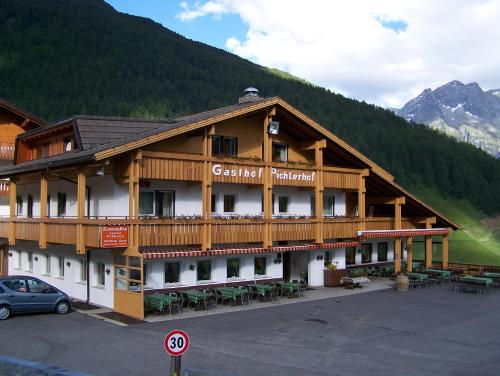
x: 312, y: 145
x: 80, y: 211
x: 428, y: 246
x: 409, y: 254
x: 12, y: 211
x: 319, y: 190
x: 206, y: 189
x: 397, y: 255
x: 384, y: 200
x: 42, y: 241
x: 361, y: 200
x: 267, y: 192
x: 444, y: 250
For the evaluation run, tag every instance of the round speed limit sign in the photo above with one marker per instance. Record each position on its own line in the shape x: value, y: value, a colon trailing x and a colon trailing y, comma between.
x: 176, y: 342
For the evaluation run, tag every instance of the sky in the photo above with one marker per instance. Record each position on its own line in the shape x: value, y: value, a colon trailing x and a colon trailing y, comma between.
x: 384, y: 52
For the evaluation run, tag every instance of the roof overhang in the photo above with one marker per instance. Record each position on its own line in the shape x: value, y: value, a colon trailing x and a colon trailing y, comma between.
x: 403, y: 233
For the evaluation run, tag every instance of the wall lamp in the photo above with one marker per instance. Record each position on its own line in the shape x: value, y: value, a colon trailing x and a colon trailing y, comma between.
x: 100, y: 171
x: 10, y: 254
x: 107, y: 271
x: 191, y: 267
x: 35, y: 258
x: 68, y: 264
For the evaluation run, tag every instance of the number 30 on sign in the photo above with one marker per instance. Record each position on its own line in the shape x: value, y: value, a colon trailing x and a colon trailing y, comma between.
x: 176, y: 342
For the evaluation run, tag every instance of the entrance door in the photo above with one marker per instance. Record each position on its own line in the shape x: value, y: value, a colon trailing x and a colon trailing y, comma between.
x: 4, y: 261
x: 287, y: 260
x: 129, y: 291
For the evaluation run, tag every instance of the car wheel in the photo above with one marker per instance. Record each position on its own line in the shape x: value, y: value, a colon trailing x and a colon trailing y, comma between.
x: 62, y: 307
x: 4, y: 312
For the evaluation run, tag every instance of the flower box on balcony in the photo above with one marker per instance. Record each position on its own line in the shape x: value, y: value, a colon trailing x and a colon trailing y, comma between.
x: 332, y: 277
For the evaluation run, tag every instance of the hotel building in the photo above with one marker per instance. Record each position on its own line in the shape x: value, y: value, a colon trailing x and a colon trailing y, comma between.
x: 109, y: 209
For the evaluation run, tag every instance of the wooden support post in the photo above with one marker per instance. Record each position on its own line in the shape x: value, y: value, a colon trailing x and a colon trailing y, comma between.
x: 361, y: 201
x: 444, y: 250
x: 409, y: 254
x: 398, y: 256
x: 206, y: 190
x: 12, y: 211
x: 80, y: 211
x: 428, y: 246
x: 267, y: 185
x: 137, y: 158
x: 133, y: 204
x: 319, y: 190
x: 42, y: 241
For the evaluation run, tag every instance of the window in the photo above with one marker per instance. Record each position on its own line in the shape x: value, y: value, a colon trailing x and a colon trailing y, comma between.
x: 233, y: 268
x: 214, y: 203
x: 100, y: 274
x: 366, y: 253
x: 146, y: 203
x: 280, y: 152
x: 17, y: 260
x: 172, y: 272
x: 382, y: 251
x: 47, y: 265
x: 18, y: 285
x: 83, y: 270
x: 61, y: 204
x: 145, y: 269
x: 260, y: 264
x: 60, y: 267
x: 204, y: 270
x: 350, y: 255
x: 2, y: 291
x: 48, y: 205
x: 29, y: 266
x: 313, y: 206
x: 283, y: 202
x: 30, y: 206
x: 229, y: 203
x: 223, y: 146
x: 36, y: 286
x: 68, y: 144
x: 328, y: 206
x: 165, y: 203
x: 19, y: 205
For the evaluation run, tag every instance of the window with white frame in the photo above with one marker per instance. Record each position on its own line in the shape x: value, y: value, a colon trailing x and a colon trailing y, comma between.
x: 328, y: 206
x: 204, y: 270
x: 229, y: 203
x: 283, y: 203
x: 214, y: 202
x: 61, y: 204
x: 60, y: 267
x: 280, y: 152
x: 260, y: 265
x: 233, y: 268
x: 47, y: 265
x: 157, y: 203
x: 172, y: 272
x: 100, y: 274
x: 83, y: 271
x: 29, y: 264
x: 19, y: 205
x: 17, y: 260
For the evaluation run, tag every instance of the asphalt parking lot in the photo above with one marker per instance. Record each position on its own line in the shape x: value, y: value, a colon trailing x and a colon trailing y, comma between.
x: 422, y: 332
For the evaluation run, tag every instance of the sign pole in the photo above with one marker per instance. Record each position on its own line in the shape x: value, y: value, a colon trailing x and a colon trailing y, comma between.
x: 175, y: 365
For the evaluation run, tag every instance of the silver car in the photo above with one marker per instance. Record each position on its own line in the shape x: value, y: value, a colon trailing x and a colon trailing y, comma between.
x: 22, y: 294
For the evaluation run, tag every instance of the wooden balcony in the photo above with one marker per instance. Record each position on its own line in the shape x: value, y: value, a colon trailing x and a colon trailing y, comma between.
x: 167, y: 232
x: 171, y: 166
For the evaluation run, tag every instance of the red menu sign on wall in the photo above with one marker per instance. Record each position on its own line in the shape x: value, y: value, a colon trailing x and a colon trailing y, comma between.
x: 114, y: 237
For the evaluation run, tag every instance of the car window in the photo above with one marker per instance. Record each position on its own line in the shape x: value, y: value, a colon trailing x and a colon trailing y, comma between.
x: 2, y: 291
x: 18, y: 285
x: 36, y: 286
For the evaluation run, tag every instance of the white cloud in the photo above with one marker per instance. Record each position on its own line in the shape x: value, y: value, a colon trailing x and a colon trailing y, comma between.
x: 343, y: 45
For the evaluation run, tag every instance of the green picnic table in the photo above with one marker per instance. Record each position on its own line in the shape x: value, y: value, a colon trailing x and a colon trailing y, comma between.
x: 482, y: 281
x: 418, y: 276
x: 264, y: 290
x: 231, y: 293
x: 160, y: 302
x: 445, y: 274
x: 291, y: 287
x: 491, y: 275
x: 197, y: 297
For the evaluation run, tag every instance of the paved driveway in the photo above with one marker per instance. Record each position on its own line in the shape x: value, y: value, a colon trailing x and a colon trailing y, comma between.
x: 422, y: 332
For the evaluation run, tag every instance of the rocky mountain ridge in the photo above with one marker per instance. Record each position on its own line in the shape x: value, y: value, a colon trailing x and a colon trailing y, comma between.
x: 465, y: 112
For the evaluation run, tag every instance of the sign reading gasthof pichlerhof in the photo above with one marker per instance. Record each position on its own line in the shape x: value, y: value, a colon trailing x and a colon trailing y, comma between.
x: 252, y: 174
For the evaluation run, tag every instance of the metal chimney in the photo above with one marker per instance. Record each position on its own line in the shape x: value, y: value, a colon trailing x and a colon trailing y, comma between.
x: 251, y: 95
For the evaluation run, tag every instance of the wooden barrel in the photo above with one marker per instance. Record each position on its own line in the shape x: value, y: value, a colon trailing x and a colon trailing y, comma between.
x: 402, y: 282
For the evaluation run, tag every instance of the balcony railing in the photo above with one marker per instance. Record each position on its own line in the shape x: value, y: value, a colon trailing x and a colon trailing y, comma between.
x: 6, y: 151
x: 163, y: 232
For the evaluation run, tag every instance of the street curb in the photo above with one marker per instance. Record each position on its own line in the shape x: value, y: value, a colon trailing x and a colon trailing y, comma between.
x: 44, y: 369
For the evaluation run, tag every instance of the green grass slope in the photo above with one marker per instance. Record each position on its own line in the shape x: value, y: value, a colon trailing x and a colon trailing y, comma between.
x: 475, y: 243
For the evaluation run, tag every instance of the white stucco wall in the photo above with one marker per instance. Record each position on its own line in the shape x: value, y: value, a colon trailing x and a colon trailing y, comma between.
x: 71, y: 282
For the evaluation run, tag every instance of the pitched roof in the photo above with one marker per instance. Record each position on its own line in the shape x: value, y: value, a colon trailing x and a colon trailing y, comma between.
x: 103, y: 137
x: 21, y: 112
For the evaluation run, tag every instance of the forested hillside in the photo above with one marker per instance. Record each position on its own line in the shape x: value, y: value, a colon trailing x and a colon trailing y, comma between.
x: 65, y: 57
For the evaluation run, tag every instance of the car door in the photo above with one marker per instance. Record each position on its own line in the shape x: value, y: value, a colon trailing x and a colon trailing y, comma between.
x: 18, y: 295
x: 43, y: 297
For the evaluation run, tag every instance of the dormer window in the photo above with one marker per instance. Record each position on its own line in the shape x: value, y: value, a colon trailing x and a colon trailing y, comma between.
x: 223, y: 146
x: 68, y: 144
x: 280, y: 152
